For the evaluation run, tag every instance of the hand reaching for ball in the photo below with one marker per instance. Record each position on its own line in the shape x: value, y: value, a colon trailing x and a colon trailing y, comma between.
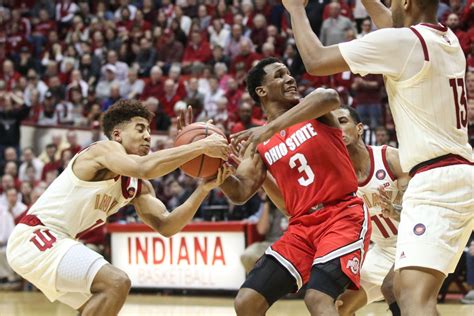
x: 216, y: 146
x: 224, y: 172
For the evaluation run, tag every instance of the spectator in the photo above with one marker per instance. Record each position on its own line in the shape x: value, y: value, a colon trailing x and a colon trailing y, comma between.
x: 121, y: 68
x: 333, y: 30
x: 169, y: 98
x: 219, y: 57
x: 368, y: 98
x: 24, y: 61
x: 170, y: 49
x: 73, y: 145
x: 154, y: 85
x: 246, y: 120
x: 160, y: 121
x: 245, y: 58
x: 113, y: 97
x: 197, y: 50
x: 48, y: 114
x: 218, y: 33
x: 133, y: 87
x: 192, y: 90
x: 103, y: 89
x: 366, y: 27
x: 12, y: 112
x: 51, y: 163
x: 381, y: 136
x: 8, y: 182
x: 211, y: 98
x: 145, y: 58
x: 34, y: 83
x: 233, y: 45
x: 29, y: 159
x: 271, y: 223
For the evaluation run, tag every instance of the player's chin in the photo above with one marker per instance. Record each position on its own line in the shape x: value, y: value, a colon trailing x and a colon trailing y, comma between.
x: 143, y: 150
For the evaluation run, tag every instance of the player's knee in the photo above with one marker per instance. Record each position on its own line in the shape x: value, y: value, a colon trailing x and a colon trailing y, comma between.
x: 387, y: 288
x: 248, y: 303
x: 117, y: 283
x: 317, y: 302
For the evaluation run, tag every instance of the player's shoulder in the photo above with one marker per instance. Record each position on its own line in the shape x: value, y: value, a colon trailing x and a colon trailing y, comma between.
x: 390, y: 35
x: 105, y: 147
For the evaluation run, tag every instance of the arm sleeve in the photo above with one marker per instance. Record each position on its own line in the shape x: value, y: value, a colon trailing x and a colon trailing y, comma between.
x: 384, y: 52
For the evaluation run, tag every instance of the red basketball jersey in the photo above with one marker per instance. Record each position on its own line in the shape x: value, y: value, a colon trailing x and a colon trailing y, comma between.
x: 311, y: 165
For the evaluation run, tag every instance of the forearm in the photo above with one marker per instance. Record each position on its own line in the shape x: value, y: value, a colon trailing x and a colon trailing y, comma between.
x: 165, y: 161
x: 183, y: 214
x: 235, y: 190
x: 274, y: 193
x: 313, y: 106
x: 379, y: 13
x: 263, y: 224
x: 309, y: 45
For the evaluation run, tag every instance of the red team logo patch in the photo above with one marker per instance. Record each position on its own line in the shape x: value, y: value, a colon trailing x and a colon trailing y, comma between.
x: 380, y: 174
x: 419, y: 229
x: 353, y: 264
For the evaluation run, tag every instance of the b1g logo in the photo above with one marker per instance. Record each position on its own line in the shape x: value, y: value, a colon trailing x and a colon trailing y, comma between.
x: 354, y: 265
x: 380, y: 174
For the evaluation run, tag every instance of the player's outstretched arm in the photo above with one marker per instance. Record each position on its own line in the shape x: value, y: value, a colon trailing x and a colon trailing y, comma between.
x: 247, y: 179
x: 315, y: 105
x: 379, y: 13
x: 318, y: 59
x: 154, y: 213
x: 111, y: 155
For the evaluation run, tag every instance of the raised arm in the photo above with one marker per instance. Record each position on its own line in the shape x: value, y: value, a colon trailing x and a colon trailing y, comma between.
x: 112, y: 156
x: 318, y: 59
x: 379, y: 13
x: 317, y: 104
x: 154, y: 213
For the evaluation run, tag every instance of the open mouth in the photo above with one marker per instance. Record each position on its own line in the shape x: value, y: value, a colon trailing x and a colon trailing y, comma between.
x: 292, y: 90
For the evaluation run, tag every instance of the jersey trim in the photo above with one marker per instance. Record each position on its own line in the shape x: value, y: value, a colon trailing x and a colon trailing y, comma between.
x: 439, y: 27
x: 287, y: 264
x: 385, y: 163
x: 422, y: 41
x: 372, y: 167
x: 443, y: 161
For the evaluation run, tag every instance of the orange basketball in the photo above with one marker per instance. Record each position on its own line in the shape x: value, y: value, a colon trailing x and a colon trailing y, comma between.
x: 202, y: 166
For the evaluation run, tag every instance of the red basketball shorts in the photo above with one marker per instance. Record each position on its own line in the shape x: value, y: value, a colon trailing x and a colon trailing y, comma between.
x: 341, y: 230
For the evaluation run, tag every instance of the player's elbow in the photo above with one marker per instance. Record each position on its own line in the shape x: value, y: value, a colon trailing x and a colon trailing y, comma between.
x: 331, y: 98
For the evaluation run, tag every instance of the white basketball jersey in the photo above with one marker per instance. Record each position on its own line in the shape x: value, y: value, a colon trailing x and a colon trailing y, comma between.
x: 430, y: 108
x: 384, y: 230
x: 74, y: 206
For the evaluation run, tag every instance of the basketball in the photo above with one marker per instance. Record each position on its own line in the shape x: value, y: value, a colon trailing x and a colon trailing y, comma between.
x: 202, y: 166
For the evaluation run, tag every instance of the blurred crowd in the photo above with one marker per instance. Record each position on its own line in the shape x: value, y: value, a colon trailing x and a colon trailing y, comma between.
x: 63, y: 63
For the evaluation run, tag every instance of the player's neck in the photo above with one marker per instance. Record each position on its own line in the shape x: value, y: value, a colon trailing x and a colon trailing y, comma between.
x: 360, y: 157
x: 274, y: 110
x: 421, y: 17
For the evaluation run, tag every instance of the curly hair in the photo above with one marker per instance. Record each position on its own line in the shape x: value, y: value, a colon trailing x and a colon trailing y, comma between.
x: 123, y: 111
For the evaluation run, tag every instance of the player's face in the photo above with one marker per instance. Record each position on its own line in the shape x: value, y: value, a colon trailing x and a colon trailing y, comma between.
x: 135, y: 136
x: 280, y: 85
x: 351, y: 132
x: 398, y: 12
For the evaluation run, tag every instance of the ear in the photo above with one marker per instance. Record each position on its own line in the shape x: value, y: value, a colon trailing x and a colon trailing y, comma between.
x: 360, y: 129
x: 116, y: 135
x: 406, y: 4
x: 261, y: 91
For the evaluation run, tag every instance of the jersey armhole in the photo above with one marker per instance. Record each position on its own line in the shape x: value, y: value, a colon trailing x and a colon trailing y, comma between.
x: 423, y: 43
x: 386, y: 165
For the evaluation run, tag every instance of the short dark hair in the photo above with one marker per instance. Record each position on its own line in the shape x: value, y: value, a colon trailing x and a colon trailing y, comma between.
x: 428, y: 4
x: 123, y: 111
x: 256, y: 75
x: 352, y: 113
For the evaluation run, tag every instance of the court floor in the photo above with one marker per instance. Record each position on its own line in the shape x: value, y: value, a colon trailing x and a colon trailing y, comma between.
x: 35, y: 304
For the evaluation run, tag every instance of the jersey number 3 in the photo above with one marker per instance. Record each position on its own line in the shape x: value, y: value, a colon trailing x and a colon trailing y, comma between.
x: 299, y: 160
x: 459, y: 101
